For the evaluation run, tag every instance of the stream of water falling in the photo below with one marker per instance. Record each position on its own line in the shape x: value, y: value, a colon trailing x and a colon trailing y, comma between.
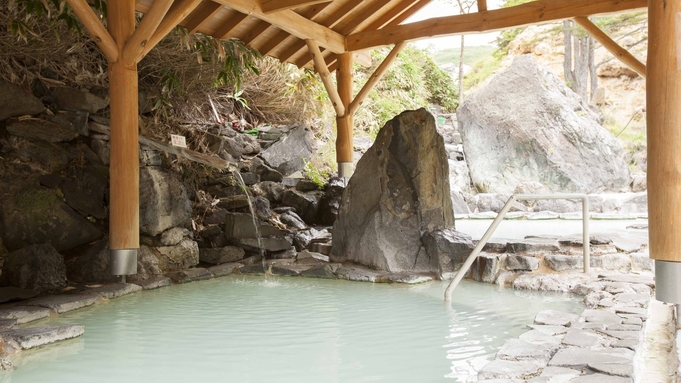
x: 255, y: 220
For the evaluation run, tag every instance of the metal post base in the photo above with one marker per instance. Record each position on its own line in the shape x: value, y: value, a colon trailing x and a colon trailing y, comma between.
x: 668, y: 281
x: 123, y: 261
x: 345, y: 169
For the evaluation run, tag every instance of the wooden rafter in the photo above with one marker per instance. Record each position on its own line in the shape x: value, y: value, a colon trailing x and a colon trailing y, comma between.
x: 482, y: 5
x: 254, y: 32
x: 229, y: 26
x: 292, y: 23
x: 281, y: 36
x: 280, y: 5
x: 320, y: 67
x: 529, y: 13
x: 328, y: 22
x: 620, y: 53
x: 95, y: 28
x: 390, y: 15
x: 405, y: 11
x: 204, y: 12
x: 375, y: 77
x: 145, y: 30
x: 177, y: 12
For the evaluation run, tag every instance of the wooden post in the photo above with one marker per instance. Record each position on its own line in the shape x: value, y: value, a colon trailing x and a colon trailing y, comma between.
x: 663, y: 104
x: 344, y: 123
x: 124, y: 156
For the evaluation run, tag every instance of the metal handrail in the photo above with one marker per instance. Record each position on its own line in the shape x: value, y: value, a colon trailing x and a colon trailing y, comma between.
x: 502, y: 213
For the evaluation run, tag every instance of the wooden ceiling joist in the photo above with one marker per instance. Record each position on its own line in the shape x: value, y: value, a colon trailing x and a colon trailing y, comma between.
x: 254, y: 32
x: 95, y: 28
x: 620, y: 53
x: 280, y: 5
x: 321, y: 68
x: 292, y: 23
x: 375, y: 77
x: 229, y: 26
x: 281, y: 36
x: 328, y: 22
x: 145, y: 30
x: 204, y: 12
x: 177, y: 12
x: 534, y: 12
x: 402, y: 11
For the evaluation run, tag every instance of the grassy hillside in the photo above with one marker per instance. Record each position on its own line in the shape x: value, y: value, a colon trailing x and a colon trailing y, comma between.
x: 471, y: 55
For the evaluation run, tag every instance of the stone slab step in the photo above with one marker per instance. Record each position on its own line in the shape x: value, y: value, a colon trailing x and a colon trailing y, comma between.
x: 190, y: 275
x: 155, y: 282
x: 24, y: 314
x: 115, y: 290
x: 65, y: 302
x: 32, y: 337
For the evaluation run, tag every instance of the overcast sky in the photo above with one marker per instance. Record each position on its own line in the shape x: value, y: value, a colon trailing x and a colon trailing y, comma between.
x: 439, y: 8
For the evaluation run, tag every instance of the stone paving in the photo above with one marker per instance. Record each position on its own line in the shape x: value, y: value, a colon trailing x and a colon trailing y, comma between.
x: 599, y: 345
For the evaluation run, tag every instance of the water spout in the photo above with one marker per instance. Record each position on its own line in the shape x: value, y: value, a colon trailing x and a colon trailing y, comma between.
x: 237, y: 175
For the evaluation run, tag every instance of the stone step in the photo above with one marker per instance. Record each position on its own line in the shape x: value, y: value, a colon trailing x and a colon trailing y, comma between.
x: 65, y: 302
x: 114, y: 290
x: 32, y: 337
x: 24, y: 314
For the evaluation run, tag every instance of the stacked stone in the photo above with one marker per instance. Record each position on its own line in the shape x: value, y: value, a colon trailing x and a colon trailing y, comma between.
x: 599, y: 345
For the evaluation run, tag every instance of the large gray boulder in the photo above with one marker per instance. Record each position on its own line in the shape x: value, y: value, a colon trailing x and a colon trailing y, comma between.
x: 163, y: 201
x: 399, y: 191
x: 526, y: 125
x: 36, y: 267
x: 15, y: 102
x: 288, y: 155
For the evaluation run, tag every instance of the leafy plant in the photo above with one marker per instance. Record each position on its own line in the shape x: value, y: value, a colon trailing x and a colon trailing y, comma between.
x: 313, y: 173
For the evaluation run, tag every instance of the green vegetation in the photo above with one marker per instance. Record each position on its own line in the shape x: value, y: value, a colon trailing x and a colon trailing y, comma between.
x: 482, y: 70
x: 471, y: 55
x: 412, y: 82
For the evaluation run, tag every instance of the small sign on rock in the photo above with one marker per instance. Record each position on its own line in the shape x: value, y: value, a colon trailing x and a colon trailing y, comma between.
x: 177, y: 140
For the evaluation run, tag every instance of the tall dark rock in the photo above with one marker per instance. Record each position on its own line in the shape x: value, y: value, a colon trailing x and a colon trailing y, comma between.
x: 399, y: 192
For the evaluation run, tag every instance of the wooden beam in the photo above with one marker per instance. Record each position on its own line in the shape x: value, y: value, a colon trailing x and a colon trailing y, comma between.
x: 281, y: 36
x: 292, y: 23
x: 269, y: 6
x: 177, y: 12
x: 95, y: 28
x: 229, y: 26
x: 203, y: 12
x: 139, y: 39
x: 328, y: 22
x: 409, y: 12
x: 344, y: 123
x: 620, y: 53
x: 320, y: 67
x: 389, y: 16
x: 534, y: 12
x: 376, y: 77
x: 124, y: 152
x: 482, y: 5
x: 663, y: 115
x: 254, y: 32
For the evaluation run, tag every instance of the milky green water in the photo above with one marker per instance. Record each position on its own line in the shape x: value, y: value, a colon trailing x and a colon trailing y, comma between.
x: 248, y: 329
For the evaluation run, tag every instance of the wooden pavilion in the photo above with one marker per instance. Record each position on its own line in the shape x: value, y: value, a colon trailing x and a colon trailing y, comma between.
x: 330, y: 35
